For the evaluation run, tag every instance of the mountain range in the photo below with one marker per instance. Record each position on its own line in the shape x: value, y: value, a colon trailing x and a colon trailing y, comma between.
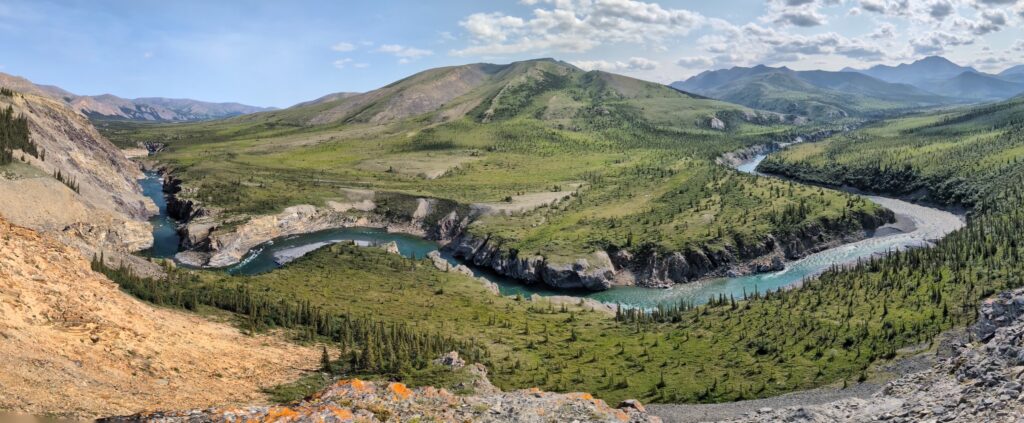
x: 938, y: 75
x: 931, y: 81
x: 111, y: 107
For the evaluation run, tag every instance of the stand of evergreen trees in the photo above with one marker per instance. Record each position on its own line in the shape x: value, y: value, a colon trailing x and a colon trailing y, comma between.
x: 66, y: 180
x: 14, y: 136
x: 368, y: 346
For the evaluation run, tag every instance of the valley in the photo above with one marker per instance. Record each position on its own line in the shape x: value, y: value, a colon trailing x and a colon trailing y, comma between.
x: 729, y: 325
x: 822, y: 237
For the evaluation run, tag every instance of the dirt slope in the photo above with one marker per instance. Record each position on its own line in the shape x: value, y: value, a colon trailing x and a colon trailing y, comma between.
x: 73, y: 344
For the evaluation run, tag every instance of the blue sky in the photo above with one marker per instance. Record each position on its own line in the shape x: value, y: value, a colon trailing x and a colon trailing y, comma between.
x: 277, y: 53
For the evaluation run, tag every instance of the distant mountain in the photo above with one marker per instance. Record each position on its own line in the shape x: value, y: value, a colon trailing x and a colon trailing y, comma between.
x: 942, y: 77
x: 922, y: 73
x: 978, y: 86
x: 1015, y: 74
x: 815, y: 94
x: 111, y: 107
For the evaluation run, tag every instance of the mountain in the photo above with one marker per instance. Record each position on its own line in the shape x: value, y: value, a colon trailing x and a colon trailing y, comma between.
x: 109, y: 106
x: 978, y: 86
x: 487, y: 92
x: 921, y: 73
x: 942, y: 77
x: 815, y: 94
x: 1015, y: 74
x: 327, y: 98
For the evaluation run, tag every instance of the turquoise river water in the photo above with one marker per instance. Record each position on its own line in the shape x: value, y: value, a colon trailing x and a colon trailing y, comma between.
x: 917, y: 226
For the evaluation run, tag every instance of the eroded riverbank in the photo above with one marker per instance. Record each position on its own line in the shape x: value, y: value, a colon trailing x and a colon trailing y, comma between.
x: 915, y: 226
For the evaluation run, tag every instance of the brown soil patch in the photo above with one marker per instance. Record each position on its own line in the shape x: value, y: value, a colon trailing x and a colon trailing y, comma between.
x: 74, y: 345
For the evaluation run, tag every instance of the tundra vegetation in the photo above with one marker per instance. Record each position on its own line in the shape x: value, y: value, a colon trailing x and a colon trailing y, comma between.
x: 632, y: 161
x: 639, y: 180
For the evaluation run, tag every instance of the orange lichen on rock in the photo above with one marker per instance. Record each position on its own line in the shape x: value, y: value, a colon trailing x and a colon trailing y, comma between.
x: 400, y: 390
x: 280, y: 413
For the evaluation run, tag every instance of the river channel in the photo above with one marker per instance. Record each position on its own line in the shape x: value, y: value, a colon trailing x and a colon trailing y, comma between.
x: 916, y: 226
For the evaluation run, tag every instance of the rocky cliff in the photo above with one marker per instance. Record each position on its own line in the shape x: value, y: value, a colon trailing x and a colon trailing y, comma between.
x: 648, y: 266
x: 105, y: 211
x: 74, y: 345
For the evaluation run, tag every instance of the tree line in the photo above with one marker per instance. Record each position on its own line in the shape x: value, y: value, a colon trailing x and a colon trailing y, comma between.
x: 368, y: 346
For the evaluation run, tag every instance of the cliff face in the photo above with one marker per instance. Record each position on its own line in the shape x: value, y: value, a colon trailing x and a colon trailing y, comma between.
x: 74, y: 345
x: 106, y: 213
x: 648, y: 266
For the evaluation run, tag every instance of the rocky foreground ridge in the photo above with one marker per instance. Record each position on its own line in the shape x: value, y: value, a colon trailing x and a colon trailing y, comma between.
x: 979, y: 381
x: 354, y: 400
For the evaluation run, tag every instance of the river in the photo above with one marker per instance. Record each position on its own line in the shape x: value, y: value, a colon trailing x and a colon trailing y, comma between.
x: 916, y: 226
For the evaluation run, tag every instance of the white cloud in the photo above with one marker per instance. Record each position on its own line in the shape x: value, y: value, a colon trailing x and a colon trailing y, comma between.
x: 996, y: 2
x: 940, y: 9
x: 147, y: 55
x: 884, y: 31
x: 990, y: 21
x: 695, y: 62
x: 802, y: 13
x: 633, y: 64
x: 405, y: 54
x: 576, y: 26
x: 343, y: 47
x: 887, y: 7
x: 342, y: 63
x: 937, y: 42
x: 804, y: 18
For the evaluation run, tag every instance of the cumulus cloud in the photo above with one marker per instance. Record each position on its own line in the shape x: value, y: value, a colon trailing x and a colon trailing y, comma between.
x: 695, y: 62
x: 633, y: 64
x: 886, y: 7
x: 802, y: 13
x: 996, y: 2
x: 940, y: 10
x: 937, y: 42
x: 884, y: 31
x: 343, y: 47
x: 575, y: 26
x: 989, y: 21
x: 804, y: 18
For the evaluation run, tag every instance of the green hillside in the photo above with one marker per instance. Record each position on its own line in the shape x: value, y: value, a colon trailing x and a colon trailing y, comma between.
x: 948, y: 158
x: 630, y: 161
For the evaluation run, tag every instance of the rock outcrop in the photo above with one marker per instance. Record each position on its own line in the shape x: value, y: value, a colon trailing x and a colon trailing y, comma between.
x: 76, y: 346
x: 354, y: 400
x: 978, y: 381
x: 651, y: 268
x: 106, y: 213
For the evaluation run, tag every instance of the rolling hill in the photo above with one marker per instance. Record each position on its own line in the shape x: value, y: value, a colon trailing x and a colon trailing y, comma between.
x: 152, y: 109
x: 814, y: 94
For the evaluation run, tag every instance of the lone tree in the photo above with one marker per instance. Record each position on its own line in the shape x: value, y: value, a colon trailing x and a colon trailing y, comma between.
x: 325, y: 361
